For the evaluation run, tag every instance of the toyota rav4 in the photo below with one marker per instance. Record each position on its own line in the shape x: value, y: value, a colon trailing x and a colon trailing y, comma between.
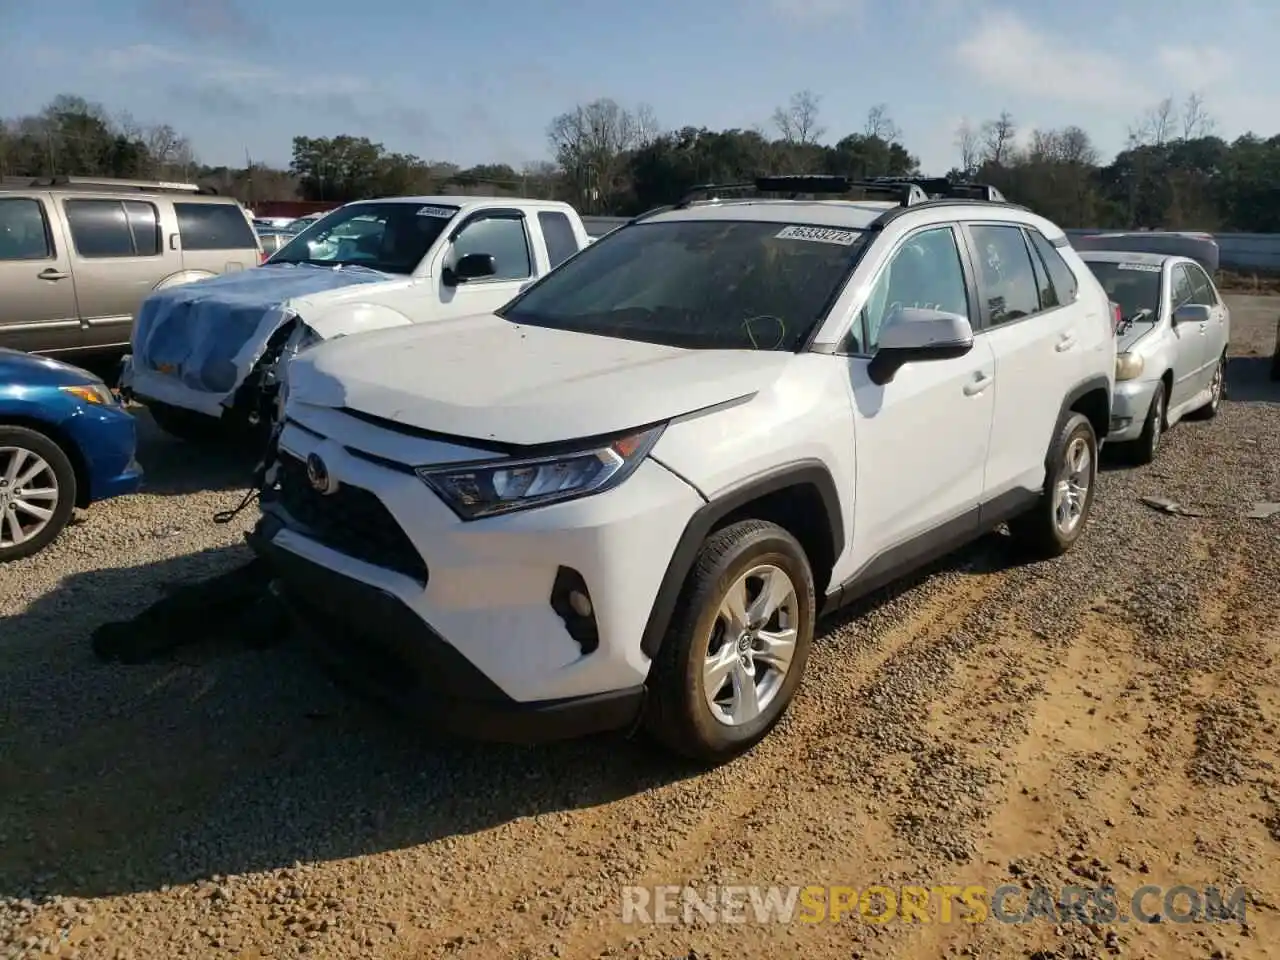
x: 624, y: 499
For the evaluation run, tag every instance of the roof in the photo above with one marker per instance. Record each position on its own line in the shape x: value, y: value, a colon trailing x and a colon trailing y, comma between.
x: 855, y: 215
x: 464, y: 201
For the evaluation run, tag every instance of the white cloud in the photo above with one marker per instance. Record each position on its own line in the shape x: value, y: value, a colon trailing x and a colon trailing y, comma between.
x: 1200, y: 68
x: 1009, y: 55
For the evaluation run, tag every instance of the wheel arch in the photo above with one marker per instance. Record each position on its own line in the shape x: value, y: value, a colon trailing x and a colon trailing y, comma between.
x: 801, y: 497
x: 63, y: 440
x: 1092, y: 399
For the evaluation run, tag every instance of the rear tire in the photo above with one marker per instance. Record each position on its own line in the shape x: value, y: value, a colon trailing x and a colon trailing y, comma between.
x: 42, y: 480
x: 1055, y: 523
x: 737, y: 646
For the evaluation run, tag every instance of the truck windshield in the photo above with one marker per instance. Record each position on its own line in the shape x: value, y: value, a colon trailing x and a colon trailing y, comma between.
x: 1135, y: 286
x: 698, y: 284
x: 391, y: 237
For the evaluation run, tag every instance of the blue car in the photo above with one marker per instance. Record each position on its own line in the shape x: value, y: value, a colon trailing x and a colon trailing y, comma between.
x: 65, y: 442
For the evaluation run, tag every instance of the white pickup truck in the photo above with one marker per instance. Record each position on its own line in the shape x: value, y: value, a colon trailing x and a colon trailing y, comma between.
x: 211, y: 355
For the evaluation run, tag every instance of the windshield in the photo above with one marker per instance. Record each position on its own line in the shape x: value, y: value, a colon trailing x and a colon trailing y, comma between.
x: 1135, y: 286
x: 391, y: 237
x: 698, y: 284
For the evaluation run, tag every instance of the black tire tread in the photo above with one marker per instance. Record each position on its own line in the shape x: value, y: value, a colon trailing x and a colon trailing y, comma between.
x: 1034, y: 533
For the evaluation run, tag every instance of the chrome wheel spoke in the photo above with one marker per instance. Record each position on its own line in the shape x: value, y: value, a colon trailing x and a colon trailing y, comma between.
x: 733, y: 608
x: 38, y: 493
x: 746, y: 696
x: 775, y: 650
x: 717, y: 668
x: 16, y: 534
x: 775, y: 591
x: 40, y: 513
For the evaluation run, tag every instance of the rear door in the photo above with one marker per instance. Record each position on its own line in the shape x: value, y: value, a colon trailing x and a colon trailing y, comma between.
x: 1034, y: 332
x: 504, y: 235
x: 1214, y: 341
x: 118, y: 257
x: 38, y: 303
x: 215, y: 238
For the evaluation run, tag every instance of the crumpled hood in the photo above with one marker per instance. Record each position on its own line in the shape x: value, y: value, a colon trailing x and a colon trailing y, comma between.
x: 207, y: 335
x: 484, y: 378
x: 1132, y: 334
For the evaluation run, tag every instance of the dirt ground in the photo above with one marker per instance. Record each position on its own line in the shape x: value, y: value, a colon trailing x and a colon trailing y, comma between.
x: 1109, y: 718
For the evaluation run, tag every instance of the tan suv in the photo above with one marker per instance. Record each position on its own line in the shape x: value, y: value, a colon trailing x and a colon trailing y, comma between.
x: 78, y: 255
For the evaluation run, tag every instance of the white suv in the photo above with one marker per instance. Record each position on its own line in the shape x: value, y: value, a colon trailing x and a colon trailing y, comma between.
x: 624, y: 498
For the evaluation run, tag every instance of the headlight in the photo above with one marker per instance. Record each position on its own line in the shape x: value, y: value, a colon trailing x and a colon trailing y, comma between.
x: 1128, y: 366
x: 475, y: 490
x: 98, y: 394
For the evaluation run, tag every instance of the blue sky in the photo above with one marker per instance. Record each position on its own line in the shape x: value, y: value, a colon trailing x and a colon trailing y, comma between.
x: 481, y: 80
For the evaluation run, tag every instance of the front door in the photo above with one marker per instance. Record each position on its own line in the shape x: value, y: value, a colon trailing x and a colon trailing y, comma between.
x: 502, y: 236
x: 38, y: 306
x: 1188, y: 339
x: 920, y: 441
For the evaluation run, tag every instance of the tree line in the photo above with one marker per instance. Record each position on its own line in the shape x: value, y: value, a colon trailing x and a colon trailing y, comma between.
x: 1174, y: 172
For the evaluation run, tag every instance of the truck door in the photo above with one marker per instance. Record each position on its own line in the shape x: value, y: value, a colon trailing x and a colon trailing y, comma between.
x: 502, y: 234
x: 38, y: 311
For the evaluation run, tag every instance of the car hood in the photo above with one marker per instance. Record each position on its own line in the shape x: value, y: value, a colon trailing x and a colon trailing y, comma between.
x: 487, y: 379
x: 1134, y: 332
x: 206, y: 336
x: 18, y: 368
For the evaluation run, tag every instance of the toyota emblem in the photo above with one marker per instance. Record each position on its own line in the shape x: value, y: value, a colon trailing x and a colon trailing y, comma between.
x: 318, y: 475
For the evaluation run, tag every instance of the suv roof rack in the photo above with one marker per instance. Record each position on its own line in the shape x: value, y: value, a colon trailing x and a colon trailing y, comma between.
x: 940, y: 188
x: 907, y: 194
x: 109, y: 183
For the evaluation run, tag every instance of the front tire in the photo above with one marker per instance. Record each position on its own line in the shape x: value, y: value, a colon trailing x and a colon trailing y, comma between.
x: 1217, y: 393
x: 1143, y: 450
x: 737, y: 646
x: 37, y: 492
x: 1055, y: 523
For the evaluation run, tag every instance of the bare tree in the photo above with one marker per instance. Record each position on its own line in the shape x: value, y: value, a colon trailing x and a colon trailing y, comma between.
x: 969, y: 145
x: 797, y: 122
x: 590, y: 143
x: 1196, y: 121
x: 881, y: 126
x: 1157, y: 126
x: 999, y: 139
x: 647, y: 128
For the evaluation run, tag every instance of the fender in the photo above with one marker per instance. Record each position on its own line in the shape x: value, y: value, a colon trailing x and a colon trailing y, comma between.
x: 183, y: 276
x: 1073, y: 396
x: 801, y: 473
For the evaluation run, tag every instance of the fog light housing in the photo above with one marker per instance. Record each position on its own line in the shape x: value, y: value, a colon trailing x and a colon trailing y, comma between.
x: 571, y: 600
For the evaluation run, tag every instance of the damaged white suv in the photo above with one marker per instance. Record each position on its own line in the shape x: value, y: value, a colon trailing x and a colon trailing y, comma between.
x: 625, y: 498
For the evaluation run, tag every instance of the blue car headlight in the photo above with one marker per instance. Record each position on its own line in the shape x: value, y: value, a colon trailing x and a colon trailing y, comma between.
x: 491, y: 487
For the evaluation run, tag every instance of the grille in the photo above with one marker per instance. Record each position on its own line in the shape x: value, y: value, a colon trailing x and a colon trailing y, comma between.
x: 351, y: 520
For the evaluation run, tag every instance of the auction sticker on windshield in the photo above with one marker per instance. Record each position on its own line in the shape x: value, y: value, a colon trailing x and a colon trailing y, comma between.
x: 845, y: 238
x: 444, y: 213
x: 1144, y: 267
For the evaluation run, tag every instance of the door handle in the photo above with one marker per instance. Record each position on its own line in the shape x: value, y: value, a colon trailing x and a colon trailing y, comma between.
x: 979, y: 383
x: 52, y: 274
x: 1065, y: 342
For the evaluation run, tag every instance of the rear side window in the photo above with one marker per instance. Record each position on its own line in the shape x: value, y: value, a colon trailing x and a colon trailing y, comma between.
x: 113, y: 228
x: 214, y: 226
x: 1008, y: 279
x: 24, y: 232
x: 558, y: 232
x: 1063, y: 278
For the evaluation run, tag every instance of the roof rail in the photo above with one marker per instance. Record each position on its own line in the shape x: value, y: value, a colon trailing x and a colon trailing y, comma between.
x: 109, y: 183
x: 940, y: 188
x: 907, y: 194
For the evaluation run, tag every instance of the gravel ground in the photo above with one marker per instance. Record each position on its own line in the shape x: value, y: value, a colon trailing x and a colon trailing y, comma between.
x: 1108, y: 717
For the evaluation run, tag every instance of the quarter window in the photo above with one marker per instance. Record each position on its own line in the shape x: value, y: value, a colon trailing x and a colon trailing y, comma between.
x: 502, y: 238
x: 214, y: 226
x: 558, y: 233
x: 24, y: 233
x: 925, y: 272
x: 1008, y: 279
x: 113, y: 228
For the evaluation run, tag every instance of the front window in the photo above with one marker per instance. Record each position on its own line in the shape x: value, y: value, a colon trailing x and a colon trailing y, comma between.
x: 391, y: 237
x: 698, y: 284
x: 1135, y: 286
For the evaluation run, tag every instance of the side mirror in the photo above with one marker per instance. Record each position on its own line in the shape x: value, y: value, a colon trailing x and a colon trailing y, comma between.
x: 1191, y: 313
x: 914, y: 335
x: 473, y: 266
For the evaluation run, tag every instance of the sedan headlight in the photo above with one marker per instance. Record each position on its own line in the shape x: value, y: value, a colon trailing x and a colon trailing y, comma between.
x: 1128, y: 366
x: 475, y: 490
x: 98, y: 394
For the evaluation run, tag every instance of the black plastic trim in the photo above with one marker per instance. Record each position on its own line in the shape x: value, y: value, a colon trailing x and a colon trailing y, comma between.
x: 1087, y: 386
x: 382, y: 648
x: 800, y: 473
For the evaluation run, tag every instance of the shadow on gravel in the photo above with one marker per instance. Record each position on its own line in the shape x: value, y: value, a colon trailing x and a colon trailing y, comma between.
x: 1249, y: 380
x: 232, y: 753
x: 176, y: 467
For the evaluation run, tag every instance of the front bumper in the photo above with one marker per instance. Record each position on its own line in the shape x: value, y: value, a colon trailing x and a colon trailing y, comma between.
x: 1130, y: 402
x: 417, y: 578
x: 107, y: 438
x: 383, y: 648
